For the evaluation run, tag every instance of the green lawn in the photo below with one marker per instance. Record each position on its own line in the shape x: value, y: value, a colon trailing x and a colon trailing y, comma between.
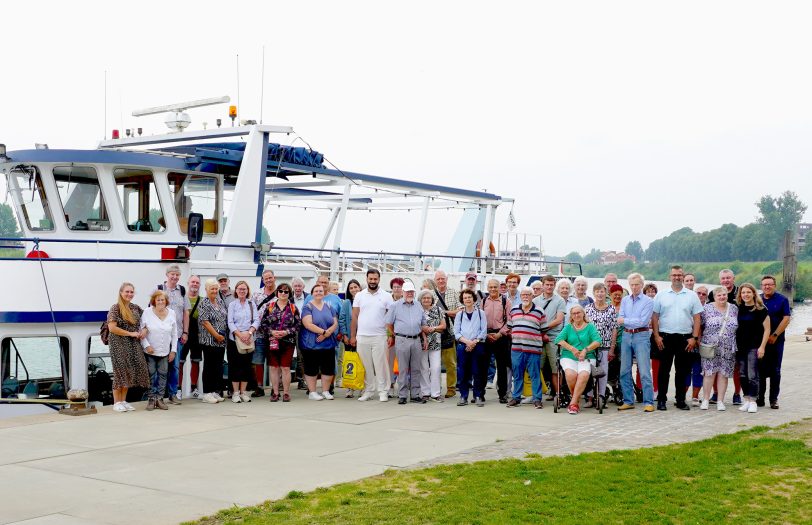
x: 757, y: 476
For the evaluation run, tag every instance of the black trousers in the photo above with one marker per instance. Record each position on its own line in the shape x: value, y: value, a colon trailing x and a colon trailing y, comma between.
x: 213, y: 368
x: 674, y: 352
x: 500, y: 349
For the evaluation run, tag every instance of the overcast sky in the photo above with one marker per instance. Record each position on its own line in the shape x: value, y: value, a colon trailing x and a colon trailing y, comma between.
x: 606, y: 121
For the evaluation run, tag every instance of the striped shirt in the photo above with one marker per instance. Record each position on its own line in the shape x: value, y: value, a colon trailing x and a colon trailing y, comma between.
x: 525, y: 329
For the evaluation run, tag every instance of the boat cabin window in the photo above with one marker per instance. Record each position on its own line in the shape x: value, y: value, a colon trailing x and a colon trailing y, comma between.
x: 198, y: 194
x: 33, y: 201
x: 81, y: 197
x: 34, y: 367
x: 139, y: 200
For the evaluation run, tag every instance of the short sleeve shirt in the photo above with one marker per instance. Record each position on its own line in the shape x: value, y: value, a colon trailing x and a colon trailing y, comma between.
x: 751, y: 327
x: 372, y: 309
x: 551, y: 307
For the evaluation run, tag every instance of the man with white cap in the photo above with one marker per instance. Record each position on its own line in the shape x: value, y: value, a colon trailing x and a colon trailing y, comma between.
x: 405, y: 321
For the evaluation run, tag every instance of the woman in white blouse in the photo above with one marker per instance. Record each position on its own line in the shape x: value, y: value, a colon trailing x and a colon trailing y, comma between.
x: 160, y: 345
x: 243, y: 322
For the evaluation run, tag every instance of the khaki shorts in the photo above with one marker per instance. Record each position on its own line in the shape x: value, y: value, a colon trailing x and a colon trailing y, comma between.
x: 549, y: 355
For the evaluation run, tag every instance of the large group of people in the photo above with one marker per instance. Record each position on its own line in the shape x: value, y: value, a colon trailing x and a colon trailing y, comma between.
x: 549, y: 335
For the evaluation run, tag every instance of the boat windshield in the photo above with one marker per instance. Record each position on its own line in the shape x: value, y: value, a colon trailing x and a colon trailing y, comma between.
x: 27, y: 184
x: 139, y: 200
x: 198, y: 194
x: 81, y: 197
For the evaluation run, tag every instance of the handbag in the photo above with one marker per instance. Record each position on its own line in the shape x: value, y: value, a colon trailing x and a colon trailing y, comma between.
x: 709, y: 351
x: 246, y: 348
x: 447, y: 339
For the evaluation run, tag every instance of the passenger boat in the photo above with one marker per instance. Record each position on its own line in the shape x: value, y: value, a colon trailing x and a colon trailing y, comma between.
x: 92, y: 219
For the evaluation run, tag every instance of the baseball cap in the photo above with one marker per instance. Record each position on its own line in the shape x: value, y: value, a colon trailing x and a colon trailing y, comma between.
x: 221, y: 276
x: 469, y: 275
x: 408, y: 286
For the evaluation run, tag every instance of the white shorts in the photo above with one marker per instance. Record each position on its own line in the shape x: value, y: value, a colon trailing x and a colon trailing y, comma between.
x: 577, y: 366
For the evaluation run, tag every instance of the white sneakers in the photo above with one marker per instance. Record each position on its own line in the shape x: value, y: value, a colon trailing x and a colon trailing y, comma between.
x: 246, y: 397
x: 383, y: 397
x: 720, y: 406
x: 704, y: 404
x: 327, y: 395
x: 195, y: 394
x: 745, y: 405
x: 209, y: 398
x: 695, y: 401
x: 752, y: 408
x: 315, y: 396
x: 366, y: 396
x: 128, y: 406
x: 119, y: 407
x: 235, y: 398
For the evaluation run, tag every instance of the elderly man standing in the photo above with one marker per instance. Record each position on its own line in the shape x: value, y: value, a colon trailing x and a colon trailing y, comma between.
x: 405, y: 322
x: 368, y: 328
x: 497, y: 343
x: 780, y: 314
x: 728, y: 279
x: 449, y: 303
x: 635, y: 315
x: 178, y: 303
x: 675, y: 321
x: 225, y: 292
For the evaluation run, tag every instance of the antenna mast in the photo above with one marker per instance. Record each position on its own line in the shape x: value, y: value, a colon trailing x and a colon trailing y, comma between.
x: 262, y: 92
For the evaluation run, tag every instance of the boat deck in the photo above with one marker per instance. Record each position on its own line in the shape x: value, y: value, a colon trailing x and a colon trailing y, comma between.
x: 165, y: 467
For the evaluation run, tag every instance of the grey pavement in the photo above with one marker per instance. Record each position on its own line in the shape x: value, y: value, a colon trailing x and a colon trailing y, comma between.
x: 166, y: 467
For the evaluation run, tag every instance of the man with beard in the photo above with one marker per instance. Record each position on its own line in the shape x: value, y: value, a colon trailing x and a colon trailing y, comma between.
x: 369, y: 336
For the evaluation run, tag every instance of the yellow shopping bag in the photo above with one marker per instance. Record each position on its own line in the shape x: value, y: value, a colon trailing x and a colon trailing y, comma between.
x: 352, y: 374
x: 527, y: 391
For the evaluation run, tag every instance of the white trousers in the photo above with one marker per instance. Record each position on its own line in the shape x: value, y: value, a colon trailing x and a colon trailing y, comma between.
x: 375, y: 355
x: 430, y: 382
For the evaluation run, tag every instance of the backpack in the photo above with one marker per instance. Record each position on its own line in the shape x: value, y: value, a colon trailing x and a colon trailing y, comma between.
x: 182, y: 289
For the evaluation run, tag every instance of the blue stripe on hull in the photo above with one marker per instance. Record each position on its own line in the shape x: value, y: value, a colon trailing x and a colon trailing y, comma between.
x: 45, y: 317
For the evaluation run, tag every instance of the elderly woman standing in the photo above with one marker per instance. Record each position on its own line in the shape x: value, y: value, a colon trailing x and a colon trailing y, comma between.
x: 243, y: 322
x: 578, y: 340
x: 563, y: 288
x: 470, y: 330
x: 126, y: 354
x: 604, y: 316
x: 581, y: 285
x: 213, y: 330
x: 319, y: 324
x: 432, y: 360
x: 160, y: 345
x: 751, y: 341
x: 279, y: 327
x: 720, y: 321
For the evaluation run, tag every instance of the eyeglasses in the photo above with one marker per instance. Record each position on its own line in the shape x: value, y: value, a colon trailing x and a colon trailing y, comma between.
x: 282, y: 291
x: 702, y: 293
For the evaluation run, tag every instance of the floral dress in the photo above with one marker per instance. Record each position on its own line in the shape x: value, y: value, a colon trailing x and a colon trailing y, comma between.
x: 712, y: 320
x: 126, y: 353
x: 281, y: 319
x: 433, y: 318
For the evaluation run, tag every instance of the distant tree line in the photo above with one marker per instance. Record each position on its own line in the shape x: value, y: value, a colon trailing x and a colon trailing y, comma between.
x: 758, y: 241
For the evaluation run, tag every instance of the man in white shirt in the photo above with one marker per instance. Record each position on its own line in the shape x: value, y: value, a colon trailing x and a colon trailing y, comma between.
x: 369, y: 336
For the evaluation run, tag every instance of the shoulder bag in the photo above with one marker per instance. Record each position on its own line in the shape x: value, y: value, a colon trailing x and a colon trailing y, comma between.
x: 244, y: 348
x: 709, y: 351
x: 447, y: 336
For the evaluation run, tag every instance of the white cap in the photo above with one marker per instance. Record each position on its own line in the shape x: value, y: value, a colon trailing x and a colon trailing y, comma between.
x: 408, y: 286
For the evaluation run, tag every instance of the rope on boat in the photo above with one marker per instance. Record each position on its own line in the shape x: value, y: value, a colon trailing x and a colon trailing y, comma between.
x: 51, y: 308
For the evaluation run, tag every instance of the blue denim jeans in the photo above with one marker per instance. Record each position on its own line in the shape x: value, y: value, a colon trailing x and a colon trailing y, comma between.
x: 471, y: 367
x: 157, y: 367
x: 521, y: 361
x: 636, y: 346
x: 172, y: 373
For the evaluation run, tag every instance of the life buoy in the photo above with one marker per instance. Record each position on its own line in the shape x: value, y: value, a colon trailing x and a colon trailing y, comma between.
x: 491, y: 249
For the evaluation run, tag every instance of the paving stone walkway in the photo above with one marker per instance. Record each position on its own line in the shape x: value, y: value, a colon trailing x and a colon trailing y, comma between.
x: 592, y: 432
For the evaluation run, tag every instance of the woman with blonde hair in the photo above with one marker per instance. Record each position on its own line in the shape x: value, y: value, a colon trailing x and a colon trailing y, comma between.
x: 719, y: 322
x: 126, y: 354
x: 578, y: 340
x: 751, y: 341
x: 160, y: 345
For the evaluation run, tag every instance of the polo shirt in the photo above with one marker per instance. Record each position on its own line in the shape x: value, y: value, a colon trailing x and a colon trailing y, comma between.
x: 778, y: 307
x: 551, y: 306
x: 372, y: 309
x: 676, y: 310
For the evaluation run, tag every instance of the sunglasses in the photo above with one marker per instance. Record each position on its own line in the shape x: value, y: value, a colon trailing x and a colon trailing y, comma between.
x: 283, y: 291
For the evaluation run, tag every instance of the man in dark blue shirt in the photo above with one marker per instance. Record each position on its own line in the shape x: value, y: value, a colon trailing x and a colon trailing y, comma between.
x: 780, y: 313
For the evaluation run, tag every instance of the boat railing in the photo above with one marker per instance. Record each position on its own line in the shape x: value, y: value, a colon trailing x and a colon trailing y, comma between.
x: 337, y: 261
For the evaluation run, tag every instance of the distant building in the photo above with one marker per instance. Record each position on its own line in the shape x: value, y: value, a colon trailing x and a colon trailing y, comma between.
x: 611, y: 257
x: 803, y: 231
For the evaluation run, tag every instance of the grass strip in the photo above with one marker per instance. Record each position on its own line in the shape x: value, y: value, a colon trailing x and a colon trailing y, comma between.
x: 761, y: 475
